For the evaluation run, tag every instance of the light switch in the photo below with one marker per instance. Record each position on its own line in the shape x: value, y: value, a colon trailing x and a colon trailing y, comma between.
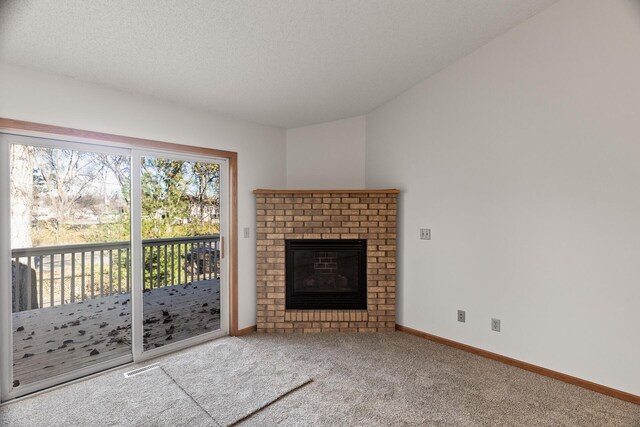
x: 425, y: 233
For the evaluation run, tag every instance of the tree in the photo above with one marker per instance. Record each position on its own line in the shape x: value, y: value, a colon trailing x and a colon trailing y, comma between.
x: 164, y: 201
x: 63, y: 177
x: 120, y: 167
x: 21, y: 195
x: 207, y: 193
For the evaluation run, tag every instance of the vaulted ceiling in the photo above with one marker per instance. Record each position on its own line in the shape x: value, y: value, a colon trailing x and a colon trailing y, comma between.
x: 286, y: 63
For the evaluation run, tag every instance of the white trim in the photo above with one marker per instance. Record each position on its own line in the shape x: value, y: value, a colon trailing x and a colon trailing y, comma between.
x: 178, y: 155
x: 6, y: 335
x: 180, y: 149
x: 68, y: 138
x: 136, y: 257
x: 225, y: 213
x: 64, y: 144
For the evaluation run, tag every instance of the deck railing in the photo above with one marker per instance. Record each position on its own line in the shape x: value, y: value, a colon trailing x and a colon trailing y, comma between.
x: 55, y: 275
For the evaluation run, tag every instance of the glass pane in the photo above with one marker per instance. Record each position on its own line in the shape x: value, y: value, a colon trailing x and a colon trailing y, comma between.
x: 70, y: 260
x: 181, y: 249
x: 325, y: 271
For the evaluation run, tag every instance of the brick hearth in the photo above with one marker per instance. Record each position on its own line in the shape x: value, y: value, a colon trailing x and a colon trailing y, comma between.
x: 327, y: 214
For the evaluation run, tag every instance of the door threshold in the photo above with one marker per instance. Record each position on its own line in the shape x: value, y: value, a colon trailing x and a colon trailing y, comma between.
x: 53, y: 383
x: 180, y: 345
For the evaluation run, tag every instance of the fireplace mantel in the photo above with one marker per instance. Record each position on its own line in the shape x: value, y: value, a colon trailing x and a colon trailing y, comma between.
x: 388, y: 191
x: 283, y: 215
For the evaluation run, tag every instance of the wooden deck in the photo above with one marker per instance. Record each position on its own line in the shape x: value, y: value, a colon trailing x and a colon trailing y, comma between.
x: 51, y: 341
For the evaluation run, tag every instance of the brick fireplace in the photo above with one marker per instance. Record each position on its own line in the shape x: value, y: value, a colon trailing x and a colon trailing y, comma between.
x: 364, y: 216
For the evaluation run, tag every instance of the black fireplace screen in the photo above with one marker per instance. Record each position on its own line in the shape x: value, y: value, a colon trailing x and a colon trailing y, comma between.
x: 326, y: 274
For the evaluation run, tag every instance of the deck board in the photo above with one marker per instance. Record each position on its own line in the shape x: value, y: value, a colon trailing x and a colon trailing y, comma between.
x: 55, y: 340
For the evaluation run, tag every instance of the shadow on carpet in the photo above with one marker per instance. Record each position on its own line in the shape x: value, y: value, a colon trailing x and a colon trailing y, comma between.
x: 218, y: 383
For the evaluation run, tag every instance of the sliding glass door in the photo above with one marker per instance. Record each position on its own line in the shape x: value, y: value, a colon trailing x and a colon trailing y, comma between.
x: 69, y: 211
x: 182, y: 229
x: 109, y: 255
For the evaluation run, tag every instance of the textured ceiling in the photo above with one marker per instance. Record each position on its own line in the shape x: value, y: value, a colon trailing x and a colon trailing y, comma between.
x: 286, y: 63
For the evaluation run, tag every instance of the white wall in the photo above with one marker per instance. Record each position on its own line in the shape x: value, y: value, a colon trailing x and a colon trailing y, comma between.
x: 56, y: 100
x: 524, y: 160
x: 327, y: 156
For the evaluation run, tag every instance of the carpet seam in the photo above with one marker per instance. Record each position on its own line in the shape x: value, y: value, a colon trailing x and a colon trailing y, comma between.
x: 190, y: 397
x: 266, y: 405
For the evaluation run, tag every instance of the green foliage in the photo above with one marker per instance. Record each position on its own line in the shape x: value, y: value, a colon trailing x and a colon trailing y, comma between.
x: 179, y: 198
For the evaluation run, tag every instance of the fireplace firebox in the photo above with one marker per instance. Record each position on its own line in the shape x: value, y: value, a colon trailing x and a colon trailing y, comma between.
x: 326, y: 274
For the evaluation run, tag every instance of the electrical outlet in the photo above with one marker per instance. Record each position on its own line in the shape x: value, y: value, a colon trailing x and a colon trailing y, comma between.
x: 247, y: 233
x: 461, y: 316
x: 425, y: 234
x: 495, y: 325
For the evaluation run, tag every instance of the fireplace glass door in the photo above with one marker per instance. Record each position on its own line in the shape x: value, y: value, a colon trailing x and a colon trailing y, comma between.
x: 326, y: 274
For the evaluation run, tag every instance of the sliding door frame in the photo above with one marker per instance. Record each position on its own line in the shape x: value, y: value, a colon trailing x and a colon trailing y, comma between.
x: 6, y: 296
x: 137, y: 296
x: 139, y: 145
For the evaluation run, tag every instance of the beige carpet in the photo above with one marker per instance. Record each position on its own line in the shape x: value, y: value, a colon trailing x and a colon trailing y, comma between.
x: 396, y: 379
x: 392, y: 379
x: 151, y: 399
x: 214, y: 384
